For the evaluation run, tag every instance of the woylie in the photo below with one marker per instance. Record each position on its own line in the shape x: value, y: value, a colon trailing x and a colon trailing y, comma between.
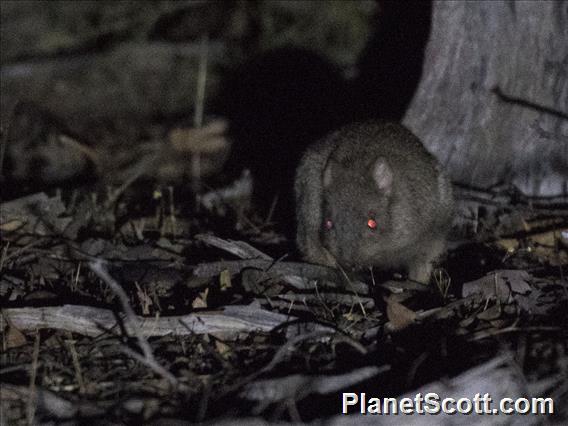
x: 370, y: 194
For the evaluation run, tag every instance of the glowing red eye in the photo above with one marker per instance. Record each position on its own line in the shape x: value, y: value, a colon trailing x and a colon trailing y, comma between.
x: 372, y: 224
x: 328, y: 224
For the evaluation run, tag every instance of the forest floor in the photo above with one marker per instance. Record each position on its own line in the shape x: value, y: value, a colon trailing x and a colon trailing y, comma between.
x: 143, y: 303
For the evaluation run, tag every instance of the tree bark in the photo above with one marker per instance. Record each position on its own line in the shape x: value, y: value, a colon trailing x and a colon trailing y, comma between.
x: 492, y: 103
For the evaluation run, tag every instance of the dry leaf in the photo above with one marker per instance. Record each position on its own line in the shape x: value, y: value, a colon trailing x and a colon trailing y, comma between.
x: 205, y: 140
x: 11, y: 225
x: 492, y: 313
x: 14, y: 338
x: 467, y: 322
x: 547, y: 246
x: 201, y: 300
x: 399, y: 315
x: 144, y: 299
x: 509, y: 244
x: 223, y: 349
x: 225, y: 280
x: 353, y: 316
x: 501, y: 284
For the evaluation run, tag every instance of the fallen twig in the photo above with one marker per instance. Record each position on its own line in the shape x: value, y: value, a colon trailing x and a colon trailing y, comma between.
x: 90, y: 321
x: 237, y: 248
x: 132, y: 319
x: 296, y: 274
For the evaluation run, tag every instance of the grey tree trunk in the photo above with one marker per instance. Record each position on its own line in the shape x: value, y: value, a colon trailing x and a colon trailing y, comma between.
x: 492, y: 103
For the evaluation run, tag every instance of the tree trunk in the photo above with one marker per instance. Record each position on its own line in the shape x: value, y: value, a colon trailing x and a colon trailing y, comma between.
x: 492, y: 103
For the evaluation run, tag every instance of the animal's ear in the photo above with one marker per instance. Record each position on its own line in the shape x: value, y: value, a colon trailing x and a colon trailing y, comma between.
x: 382, y: 175
x: 327, y: 178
